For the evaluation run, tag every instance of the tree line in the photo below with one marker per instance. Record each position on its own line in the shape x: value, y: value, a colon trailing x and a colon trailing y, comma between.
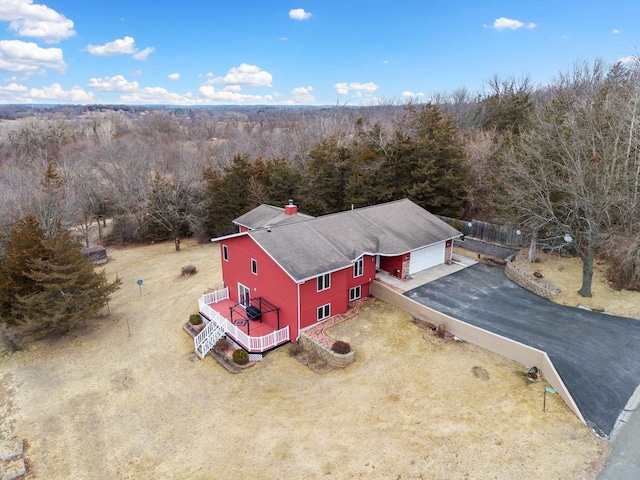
x: 553, y: 160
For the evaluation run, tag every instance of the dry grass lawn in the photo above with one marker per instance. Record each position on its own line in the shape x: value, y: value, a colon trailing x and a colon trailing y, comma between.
x: 566, y: 274
x: 100, y: 404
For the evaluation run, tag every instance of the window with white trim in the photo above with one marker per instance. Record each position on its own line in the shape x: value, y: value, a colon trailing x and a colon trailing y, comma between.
x: 254, y: 266
x: 358, y: 267
x: 324, y: 311
x: 354, y: 293
x: 324, y: 282
x: 225, y: 253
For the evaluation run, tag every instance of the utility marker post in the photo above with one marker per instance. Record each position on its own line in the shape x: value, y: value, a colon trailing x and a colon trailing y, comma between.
x: 140, y: 282
x: 544, y: 402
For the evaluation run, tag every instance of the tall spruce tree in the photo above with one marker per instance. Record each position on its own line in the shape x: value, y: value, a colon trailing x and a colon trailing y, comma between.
x: 25, y: 242
x: 55, y: 288
x: 425, y: 161
x: 327, y: 176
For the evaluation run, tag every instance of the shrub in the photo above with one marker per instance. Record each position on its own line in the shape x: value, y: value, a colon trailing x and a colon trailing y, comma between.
x: 240, y: 357
x: 623, y: 256
x: 341, y: 347
x: 188, y: 270
x: 11, y: 338
x: 195, y: 319
x: 222, y: 345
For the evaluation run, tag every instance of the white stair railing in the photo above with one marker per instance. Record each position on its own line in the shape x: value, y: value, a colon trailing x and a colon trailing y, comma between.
x: 207, y: 338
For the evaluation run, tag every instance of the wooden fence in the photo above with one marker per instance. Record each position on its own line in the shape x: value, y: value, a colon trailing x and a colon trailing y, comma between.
x: 488, y: 232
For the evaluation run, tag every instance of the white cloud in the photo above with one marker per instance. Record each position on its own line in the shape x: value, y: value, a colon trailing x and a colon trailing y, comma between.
x: 411, y: 96
x: 28, y: 58
x: 210, y: 94
x: 157, y: 95
x: 12, y: 89
x: 301, y: 95
x: 144, y: 53
x: 173, y: 76
x: 247, y: 75
x: 630, y: 59
x: 38, y: 21
x: 616, y: 31
x: 357, y: 87
x: 299, y: 14
x: 232, y: 88
x: 116, y: 83
x: 503, y: 23
x: 283, y: 39
x: 120, y: 46
x: 54, y: 94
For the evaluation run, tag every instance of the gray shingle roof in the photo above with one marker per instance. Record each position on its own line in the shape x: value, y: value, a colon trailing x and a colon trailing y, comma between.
x: 308, y: 248
x: 264, y: 215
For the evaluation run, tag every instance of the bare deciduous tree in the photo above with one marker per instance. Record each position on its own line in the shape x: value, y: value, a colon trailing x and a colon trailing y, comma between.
x: 576, y: 171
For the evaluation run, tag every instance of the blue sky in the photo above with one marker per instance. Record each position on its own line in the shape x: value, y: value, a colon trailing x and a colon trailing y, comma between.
x: 210, y: 52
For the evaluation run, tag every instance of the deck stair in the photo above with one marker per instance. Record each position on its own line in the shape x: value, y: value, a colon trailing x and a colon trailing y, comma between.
x: 207, y: 338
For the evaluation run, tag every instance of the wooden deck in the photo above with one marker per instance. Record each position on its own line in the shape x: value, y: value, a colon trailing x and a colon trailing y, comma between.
x: 254, y: 328
x: 255, y: 336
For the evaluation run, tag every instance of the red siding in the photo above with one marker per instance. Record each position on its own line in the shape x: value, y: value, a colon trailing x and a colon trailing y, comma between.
x: 275, y: 286
x: 338, y: 294
x: 271, y: 283
x: 311, y: 299
x: 391, y: 264
x: 368, y: 275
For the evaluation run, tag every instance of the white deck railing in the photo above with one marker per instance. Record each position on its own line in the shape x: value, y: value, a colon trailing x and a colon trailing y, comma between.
x: 251, y: 344
x: 215, y: 297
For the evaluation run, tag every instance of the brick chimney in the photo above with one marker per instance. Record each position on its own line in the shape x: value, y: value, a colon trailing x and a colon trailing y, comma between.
x: 290, y: 209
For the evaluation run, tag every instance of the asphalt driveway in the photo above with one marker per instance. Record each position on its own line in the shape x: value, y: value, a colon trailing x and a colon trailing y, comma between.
x: 597, y: 355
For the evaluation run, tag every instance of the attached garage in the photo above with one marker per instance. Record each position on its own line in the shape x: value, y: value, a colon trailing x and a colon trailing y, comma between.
x: 426, y: 258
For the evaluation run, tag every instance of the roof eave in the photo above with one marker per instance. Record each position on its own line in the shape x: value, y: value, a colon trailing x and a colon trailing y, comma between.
x: 226, y: 237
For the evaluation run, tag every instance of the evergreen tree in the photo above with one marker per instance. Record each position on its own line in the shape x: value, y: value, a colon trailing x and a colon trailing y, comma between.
x: 227, y: 196
x: 284, y: 182
x: 368, y: 151
x: 66, y: 290
x: 26, y: 241
x: 327, y: 176
x: 440, y: 172
x: 425, y: 162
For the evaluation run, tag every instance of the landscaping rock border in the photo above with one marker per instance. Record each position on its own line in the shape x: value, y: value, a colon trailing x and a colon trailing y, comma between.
x: 527, y: 280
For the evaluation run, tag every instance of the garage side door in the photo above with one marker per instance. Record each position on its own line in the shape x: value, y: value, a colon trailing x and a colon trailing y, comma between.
x: 426, y: 257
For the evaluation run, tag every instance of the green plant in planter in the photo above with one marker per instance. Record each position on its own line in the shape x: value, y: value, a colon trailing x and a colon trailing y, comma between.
x: 240, y: 356
x: 195, y: 319
x: 341, y: 347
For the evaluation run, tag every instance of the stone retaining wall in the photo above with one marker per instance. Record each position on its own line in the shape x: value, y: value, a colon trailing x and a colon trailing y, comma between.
x: 525, y: 279
x: 336, y: 360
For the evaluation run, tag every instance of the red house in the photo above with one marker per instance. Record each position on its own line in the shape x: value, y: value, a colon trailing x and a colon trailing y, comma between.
x: 285, y: 271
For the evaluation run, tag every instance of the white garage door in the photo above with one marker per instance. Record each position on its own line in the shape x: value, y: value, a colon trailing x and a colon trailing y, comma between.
x: 426, y: 257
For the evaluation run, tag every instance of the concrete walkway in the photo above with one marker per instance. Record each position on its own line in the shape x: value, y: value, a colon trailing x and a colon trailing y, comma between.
x: 426, y: 276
